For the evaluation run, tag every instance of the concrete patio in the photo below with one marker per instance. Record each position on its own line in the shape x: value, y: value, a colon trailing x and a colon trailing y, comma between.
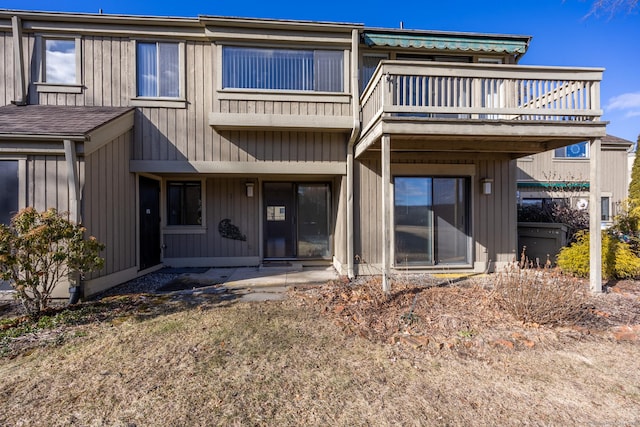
x: 258, y: 283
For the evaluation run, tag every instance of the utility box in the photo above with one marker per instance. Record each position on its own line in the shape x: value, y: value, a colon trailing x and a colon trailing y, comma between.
x: 542, y: 240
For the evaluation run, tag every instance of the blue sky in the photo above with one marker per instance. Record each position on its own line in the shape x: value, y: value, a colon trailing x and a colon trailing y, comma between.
x: 564, y: 33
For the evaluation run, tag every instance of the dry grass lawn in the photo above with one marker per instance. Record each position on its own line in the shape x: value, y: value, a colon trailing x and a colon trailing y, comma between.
x: 201, y: 362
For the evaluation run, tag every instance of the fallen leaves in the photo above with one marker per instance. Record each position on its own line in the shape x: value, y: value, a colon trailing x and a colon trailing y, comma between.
x: 464, y: 317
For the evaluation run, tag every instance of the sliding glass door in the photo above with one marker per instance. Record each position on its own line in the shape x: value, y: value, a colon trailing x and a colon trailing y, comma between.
x: 431, y: 221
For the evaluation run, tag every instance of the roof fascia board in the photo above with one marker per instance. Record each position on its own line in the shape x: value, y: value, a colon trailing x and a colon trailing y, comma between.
x: 279, y: 24
x: 42, y: 137
x: 107, y: 132
x: 123, y: 30
x: 101, y: 18
x: 273, y: 35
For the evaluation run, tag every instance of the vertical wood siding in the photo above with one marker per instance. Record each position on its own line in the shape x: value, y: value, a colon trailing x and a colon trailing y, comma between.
x: 47, y: 185
x: 339, y: 212
x: 614, y: 175
x: 296, y: 108
x: 495, y: 218
x: 225, y: 198
x: 7, y: 89
x: 368, y: 211
x: 109, y: 204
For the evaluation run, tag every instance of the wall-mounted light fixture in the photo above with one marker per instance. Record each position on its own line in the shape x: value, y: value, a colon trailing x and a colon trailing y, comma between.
x: 249, y: 189
x: 486, y: 185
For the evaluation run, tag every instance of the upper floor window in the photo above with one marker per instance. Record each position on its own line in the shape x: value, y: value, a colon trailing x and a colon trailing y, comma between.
x: 283, y: 69
x: 575, y: 151
x: 158, y: 69
x: 60, y: 61
x: 368, y: 66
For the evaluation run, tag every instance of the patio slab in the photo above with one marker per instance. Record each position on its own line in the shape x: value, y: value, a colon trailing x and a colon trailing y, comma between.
x: 274, y: 277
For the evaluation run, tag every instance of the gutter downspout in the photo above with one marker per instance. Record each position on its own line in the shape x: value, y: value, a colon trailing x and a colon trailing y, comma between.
x: 355, y: 133
x: 73, y: 179
x: 21, y: 94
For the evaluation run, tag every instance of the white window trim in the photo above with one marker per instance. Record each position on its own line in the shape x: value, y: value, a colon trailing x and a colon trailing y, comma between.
x: 160, y: 101
x: 184, y: 229
x: 609, y: 195
x: 283, y: 94
x: 45, y: 87
x: 573, y: 159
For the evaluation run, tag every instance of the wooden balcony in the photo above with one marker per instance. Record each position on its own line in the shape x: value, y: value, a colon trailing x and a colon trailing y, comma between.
x: 512, y: 109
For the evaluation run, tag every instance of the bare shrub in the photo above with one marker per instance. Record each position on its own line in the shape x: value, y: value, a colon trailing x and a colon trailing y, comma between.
x: 540, y: 296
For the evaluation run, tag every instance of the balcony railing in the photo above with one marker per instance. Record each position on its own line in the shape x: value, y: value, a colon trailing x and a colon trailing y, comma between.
x: 481, y: 92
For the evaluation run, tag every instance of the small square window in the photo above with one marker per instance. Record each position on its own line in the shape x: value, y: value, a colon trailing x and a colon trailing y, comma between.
x: 184, y: 203
x: 158, y: 69
x: 575, y: 151
x: 60, y: 61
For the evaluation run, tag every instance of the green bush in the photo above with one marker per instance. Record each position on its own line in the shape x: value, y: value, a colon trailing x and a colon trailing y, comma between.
x: 618, y: 260
x: 38, y: 250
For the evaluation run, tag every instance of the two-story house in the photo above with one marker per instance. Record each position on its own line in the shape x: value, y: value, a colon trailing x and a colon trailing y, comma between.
x: 217, y: 141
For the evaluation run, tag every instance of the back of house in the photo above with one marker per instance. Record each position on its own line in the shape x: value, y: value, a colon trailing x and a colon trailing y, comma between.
x: 215, y: 141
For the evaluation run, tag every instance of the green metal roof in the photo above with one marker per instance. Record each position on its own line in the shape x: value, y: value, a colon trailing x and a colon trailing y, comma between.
x: 555, y: 185
x: 515, y: 45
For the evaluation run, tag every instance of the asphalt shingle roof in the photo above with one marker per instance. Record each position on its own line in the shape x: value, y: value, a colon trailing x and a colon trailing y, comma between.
x: 56, y: 120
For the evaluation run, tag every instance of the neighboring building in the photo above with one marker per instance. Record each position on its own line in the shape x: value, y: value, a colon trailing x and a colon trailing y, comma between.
x: 217, y: 141
x: 563, y: 173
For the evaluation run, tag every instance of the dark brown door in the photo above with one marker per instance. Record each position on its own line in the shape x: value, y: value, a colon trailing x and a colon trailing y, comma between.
x: 149, y: 222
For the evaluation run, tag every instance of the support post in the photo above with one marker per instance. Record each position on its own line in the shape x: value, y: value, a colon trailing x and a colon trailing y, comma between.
x: 386, y: 212
x: 355, y: 132
x: 595, y: 234
x: 21, y: 91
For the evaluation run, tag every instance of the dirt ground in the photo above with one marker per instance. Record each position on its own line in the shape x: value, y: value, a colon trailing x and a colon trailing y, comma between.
x: 466, y: 319
x: 331, y: 355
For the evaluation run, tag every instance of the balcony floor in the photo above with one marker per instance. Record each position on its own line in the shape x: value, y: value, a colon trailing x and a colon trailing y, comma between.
x: 505, y: 137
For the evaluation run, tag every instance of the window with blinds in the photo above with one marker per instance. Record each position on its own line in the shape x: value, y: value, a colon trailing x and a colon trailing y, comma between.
x: 282, y: 69
x: 158, y: 69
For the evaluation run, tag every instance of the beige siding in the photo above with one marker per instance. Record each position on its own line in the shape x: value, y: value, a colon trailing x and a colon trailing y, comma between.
x: 47, y: 184
x: 234, y: 146
x: 294, y: 108
x: 339, y: 212
x: 614, y: 174
x: 7, y: 65
x: 225, y: 198
x: 543, y: 167
x: 109, y: 203
x: 494, y: 216
x: 368, y: 212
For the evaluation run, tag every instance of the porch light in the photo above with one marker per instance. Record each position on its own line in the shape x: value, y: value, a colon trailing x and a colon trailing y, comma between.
x: 486, y: 183
x: 249, y: 189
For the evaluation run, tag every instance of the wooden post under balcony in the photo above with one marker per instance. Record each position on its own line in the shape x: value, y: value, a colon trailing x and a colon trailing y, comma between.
x: 386, y: 212
x: 595, y: 235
